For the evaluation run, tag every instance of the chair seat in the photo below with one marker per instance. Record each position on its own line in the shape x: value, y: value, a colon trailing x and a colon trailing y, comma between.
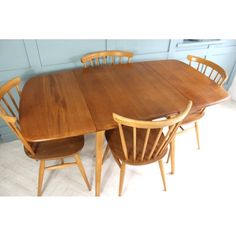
x: 114, y: 142
x: 55, y: 149
x: 193, y: 117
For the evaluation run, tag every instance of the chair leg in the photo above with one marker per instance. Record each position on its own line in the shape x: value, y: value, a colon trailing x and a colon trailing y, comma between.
x: 105, y: 155
x: 169, y: 154
x: 62, y: 161
x: 40, y: 177
x: 197, y: 134
x: 162, y: 173
x: 122, y: 175
x: 81, y: 168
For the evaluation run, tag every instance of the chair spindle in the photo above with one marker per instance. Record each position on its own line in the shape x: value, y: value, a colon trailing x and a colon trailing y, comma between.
x: 123, y: 143
x: 145, y: 143
x: 8, y: 106
x: 106, y: 57
x: 134, y: 142
x: 13, y: 100
x: 155, y: 143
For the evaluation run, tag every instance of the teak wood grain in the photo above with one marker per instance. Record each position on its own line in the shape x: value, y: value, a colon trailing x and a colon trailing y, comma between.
x: 53, y: 107
x: 189, y: 82
x: 75, y: 102
x: 129, y: 90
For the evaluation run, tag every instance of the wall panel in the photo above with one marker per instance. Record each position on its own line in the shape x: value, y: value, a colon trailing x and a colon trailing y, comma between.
x: 13, y: 55
x: 55, y: 52
x: 140, y: 46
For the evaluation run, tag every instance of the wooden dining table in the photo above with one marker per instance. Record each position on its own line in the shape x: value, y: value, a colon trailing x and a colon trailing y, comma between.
x: 81, y: 101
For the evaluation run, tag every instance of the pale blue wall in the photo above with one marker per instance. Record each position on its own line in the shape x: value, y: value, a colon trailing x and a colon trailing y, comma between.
x: 30, y: 57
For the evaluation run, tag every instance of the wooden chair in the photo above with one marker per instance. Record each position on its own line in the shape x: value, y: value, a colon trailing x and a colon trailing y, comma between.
x: 213, y: 72
x: 137, y: 142
x: 208, y: 68
x: 45, y: 150
x: 106, y: 57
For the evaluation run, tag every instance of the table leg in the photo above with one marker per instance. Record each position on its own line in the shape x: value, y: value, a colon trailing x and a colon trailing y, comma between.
x: 99, y: 155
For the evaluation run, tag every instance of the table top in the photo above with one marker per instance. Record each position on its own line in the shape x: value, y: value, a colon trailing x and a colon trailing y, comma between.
x: 80, y: 101
x: 53, y: 107
x: 192, y: 84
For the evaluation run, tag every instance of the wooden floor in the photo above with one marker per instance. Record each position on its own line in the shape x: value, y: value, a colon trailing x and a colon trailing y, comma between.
x: 206, y: 172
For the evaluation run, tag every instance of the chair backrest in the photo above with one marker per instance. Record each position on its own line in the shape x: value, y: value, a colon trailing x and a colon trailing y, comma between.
x: 160, y: 144
x: 9, y: 109
x: 208, y: 68
x: 106, y: 57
